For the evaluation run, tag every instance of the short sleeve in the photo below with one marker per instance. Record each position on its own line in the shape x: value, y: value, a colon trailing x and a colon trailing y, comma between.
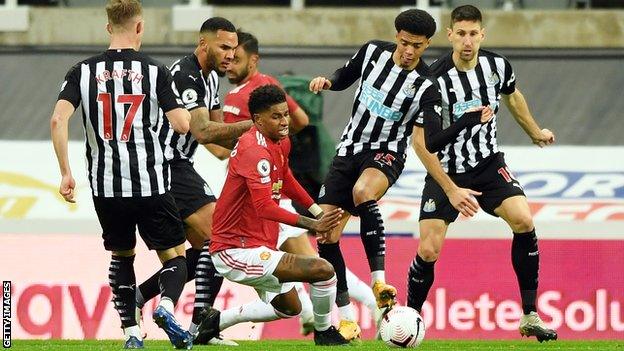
x: 430, y: 105
x: 255, y: 166
x: 508, y: 85
x: 190, y: 84
x: 166, y: 91
x: 70, y: 88
x: 213, y: 94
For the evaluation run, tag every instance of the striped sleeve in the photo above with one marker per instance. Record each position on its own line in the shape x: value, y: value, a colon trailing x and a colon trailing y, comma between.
x: 168, y: 96
x: 70, y: 88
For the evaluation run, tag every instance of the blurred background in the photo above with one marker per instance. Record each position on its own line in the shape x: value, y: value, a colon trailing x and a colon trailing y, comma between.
x: 568, y: 56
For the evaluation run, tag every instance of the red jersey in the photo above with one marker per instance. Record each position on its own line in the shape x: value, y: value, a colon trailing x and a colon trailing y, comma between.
x: 235, y: 106
x: 247, y: 212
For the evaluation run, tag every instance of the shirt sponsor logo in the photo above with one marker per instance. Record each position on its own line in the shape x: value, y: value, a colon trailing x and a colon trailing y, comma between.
x: 373, y: 99
x: 461, y: 107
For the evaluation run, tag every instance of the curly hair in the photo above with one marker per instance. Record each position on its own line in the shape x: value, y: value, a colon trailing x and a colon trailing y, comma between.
x: 262, y: 98
x: 417, y: 22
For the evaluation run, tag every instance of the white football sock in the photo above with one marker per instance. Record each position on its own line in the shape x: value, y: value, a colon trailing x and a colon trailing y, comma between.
x: 133, y: 331
x: 323, y: 296
x: 167, y: 304
x: 307, y: 314
x: 378, y: 276
x: 361, y: 292
x: 255, y: 311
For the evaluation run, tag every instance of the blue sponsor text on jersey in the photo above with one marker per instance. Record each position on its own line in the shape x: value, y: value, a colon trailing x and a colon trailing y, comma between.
x: 373, y: 99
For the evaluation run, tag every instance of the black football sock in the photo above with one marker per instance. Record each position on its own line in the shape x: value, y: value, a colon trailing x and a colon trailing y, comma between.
x: 172, y: 278
x: 122, y: 282
x: 419, y: 282
x: 207, y: 283
x: 372, y: 234
x: 333, y: 255
x: 525, y: 261
x: 150, y: 289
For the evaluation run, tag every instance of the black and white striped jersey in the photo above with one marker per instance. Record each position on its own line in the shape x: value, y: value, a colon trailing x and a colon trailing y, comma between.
x: 388, y: 101
x: 123, y: 95
x: 196, y: 90
x: 461, y: 91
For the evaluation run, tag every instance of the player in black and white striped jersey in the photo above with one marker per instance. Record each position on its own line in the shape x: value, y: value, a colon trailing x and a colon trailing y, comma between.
x: 124, y: 94
x: 197, y: 78
x: 393, y: 92
x: 470, y: 78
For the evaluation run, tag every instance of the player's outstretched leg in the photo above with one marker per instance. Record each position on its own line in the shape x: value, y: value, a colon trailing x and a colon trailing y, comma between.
x: 323, y: 295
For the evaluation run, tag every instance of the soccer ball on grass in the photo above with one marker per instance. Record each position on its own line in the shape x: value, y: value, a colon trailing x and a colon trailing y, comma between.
x: 402, y: 327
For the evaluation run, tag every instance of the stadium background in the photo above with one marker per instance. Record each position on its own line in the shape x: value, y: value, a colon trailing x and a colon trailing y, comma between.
x: 569, y: 65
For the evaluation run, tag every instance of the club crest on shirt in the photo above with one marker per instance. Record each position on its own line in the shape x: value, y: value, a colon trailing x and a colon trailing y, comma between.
x: 409, y: 90
x: 494, y: 78
x: 265, y: 255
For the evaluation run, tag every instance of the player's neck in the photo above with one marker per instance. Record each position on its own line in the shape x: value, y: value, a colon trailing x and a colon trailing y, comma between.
x: 201, y: 58
x: 121, y: 41
x: 252, y: 72
x: 463, y: 65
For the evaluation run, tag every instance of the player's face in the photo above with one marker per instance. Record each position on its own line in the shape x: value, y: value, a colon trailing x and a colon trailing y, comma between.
x: 273, y: 123
x: 238, y: 70
x: 410, y: 48
x: 220, y: 50
x: 466, y: 37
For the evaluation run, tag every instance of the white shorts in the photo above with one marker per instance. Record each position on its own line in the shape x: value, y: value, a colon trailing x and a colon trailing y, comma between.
x: 287, y: 231
x: 253, y: 267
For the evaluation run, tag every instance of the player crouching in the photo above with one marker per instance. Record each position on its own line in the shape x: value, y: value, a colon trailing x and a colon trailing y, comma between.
x: 245, y: 229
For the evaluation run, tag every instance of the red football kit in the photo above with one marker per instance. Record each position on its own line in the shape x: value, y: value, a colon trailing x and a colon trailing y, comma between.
x: 247, y: 212
x: 235, y: 106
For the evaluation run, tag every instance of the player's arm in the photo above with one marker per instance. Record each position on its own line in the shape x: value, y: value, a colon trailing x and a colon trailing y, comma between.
x: 344, y: 76
x: 462, y: 199
x: 217, y: 151
x: 59, y: 128
x: 517, y: 105
x: 207, y: 131
x: 436, y: 138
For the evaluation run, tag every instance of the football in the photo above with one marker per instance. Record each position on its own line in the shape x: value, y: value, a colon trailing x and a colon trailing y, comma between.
x: 402, y: 327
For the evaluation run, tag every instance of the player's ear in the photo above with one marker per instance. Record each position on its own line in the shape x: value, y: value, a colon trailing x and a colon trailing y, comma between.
x: 140, y: 26
x: 109, y: 28
x: 254, y: 59
x: 449, y: 32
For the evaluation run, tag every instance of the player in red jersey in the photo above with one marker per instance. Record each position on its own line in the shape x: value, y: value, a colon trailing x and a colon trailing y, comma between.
x: 243, y: 72
x: 245, y: 228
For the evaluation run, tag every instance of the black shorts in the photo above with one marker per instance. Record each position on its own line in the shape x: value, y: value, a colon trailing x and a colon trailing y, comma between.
x: 156, y: 217
x: 345, y: 171
x: 492, y: 178
x: 188, y: 188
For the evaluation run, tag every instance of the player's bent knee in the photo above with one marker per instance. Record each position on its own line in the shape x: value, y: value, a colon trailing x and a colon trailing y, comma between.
x: 522, y: 224
x: 429, y: 253
x: 362, y: 193
x: 321, y: 270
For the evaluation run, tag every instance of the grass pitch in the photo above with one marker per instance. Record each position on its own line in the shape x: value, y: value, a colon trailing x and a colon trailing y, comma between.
x: 303, y: 345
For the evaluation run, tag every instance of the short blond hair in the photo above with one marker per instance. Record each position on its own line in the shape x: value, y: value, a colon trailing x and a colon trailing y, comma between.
x: 119, y: 12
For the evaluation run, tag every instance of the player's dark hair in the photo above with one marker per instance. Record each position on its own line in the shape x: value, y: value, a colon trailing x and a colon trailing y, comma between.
x: 213, y: 24
x: 247, y: 41
x: 417, y: 22
x: 262, y: 98
x: 466, y: 13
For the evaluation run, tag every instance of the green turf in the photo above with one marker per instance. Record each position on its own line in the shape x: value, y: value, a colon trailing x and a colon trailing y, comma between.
x: 298, y: 345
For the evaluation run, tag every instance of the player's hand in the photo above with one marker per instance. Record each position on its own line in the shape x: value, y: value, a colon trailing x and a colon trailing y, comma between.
x: 464, y: 201
x: 67, y: 188
x: 543, y: 138
x: 328, y: 221
x: 319, y: 83
x: 486, y: 114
